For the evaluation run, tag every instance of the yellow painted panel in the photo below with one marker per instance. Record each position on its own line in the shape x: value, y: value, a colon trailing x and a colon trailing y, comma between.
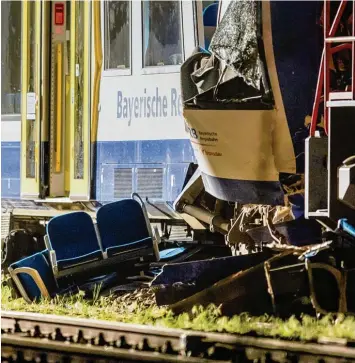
x: 30, y: 126
x: 98, y: 69
x: 59, y: 107
x: 68, y: 148
x: 80, y: 101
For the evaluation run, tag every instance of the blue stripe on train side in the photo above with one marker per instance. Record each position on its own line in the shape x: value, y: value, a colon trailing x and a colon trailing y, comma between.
x: 10, y: 169
x: 173, y: 155
x: 252, y: 191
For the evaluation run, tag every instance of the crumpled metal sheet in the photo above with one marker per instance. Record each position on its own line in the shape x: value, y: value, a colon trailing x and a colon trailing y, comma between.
x: 235, y: 41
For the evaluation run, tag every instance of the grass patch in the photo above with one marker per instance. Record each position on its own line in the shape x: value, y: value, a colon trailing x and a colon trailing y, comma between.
x: 137, y: 310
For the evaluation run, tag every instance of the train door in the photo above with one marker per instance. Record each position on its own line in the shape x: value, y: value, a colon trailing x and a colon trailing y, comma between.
x: 56, y: 97
x: 31, y: 101
x: 79, y: 165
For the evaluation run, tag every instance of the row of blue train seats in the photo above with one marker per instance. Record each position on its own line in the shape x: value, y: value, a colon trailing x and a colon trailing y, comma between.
x: 75, y: 247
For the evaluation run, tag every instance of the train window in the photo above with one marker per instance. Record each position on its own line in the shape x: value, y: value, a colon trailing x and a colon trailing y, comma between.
x: 10, y: 57
x: 210, y: 11
x: 162, y: 33
x: 117, y: 34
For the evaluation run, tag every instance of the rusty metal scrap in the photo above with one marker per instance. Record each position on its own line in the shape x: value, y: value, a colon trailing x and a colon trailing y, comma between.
x: 179, y: 281
x: 308, y: 279
x: 235, y: 288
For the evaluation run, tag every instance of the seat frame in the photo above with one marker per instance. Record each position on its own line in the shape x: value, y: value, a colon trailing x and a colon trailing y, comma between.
x: 154, y: 236
x: 36, y: 278
x: 92, y: 266
x: 154, y: 233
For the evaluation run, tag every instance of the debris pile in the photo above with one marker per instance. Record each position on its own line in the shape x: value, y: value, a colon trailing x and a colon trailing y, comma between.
x: 283, y: 280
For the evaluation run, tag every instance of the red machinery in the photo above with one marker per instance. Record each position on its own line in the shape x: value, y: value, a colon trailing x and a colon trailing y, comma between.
x: 330, y: 158
x: 343, y: 42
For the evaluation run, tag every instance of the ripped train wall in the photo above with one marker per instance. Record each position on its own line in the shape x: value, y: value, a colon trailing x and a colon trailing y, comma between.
x: 245, y: 137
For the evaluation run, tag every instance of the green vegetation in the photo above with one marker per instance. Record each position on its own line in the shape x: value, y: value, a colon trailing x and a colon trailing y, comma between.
x: 140, y: 309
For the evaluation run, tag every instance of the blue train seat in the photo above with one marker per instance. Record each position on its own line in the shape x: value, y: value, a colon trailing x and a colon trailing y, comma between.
x: 210, y: 22
x: 34, y: 277
x: 124, y: 226
x: 124, y: 230
x: 72, y: 242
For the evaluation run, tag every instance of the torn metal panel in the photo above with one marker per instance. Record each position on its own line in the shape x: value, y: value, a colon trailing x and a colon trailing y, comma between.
x: 189, y: 88
x: 323, y: 274
x: 298, y: 232
x: 236, y: 41
x: 213, y: 269
x: 232, y: 75
x: 248, y: 286
x: 331, y: 275
x: 177, y: 281
x: 193, y: 188
x: 283, y: 284
x: 287, y: 285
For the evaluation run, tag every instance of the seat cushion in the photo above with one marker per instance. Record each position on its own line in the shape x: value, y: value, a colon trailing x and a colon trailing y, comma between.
x: 41, y: 265
x: 171, y: 253
x: 143, y: 243
x: 75, y: 261
x: 122, y: 223
x: 73, y: 236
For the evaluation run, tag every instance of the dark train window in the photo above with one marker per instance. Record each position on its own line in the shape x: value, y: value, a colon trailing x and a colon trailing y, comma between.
x: 162, y: 33
x: 117, y: 34
x: 210, y: 12
x: 10, y: 57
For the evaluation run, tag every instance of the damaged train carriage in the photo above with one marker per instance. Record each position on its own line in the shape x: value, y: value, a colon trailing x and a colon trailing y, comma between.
x: 247, y: 105
x: 247, y: 102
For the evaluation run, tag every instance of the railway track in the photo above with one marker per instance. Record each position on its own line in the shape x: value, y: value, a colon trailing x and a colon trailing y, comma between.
x: 29, y: 337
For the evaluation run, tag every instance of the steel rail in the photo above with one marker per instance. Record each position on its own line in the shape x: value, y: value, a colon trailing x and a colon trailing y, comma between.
x: 163, y: 342
x: 11, y: 344
x: 113, y: 331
